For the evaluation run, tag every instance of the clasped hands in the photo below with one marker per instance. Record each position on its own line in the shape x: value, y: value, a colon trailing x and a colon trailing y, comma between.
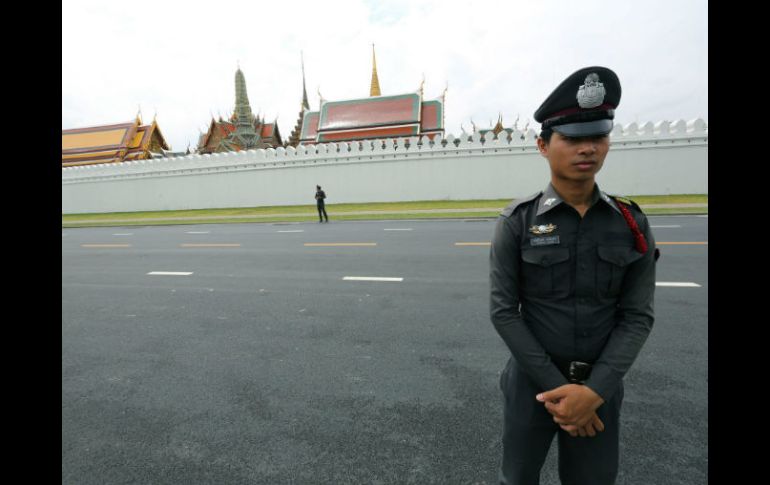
x: 574, y: 409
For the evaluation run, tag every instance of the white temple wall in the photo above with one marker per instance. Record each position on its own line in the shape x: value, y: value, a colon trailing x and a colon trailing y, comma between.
x: 654, y: 159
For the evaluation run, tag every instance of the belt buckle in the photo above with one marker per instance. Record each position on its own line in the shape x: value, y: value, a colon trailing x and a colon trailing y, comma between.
x: 578, y: 372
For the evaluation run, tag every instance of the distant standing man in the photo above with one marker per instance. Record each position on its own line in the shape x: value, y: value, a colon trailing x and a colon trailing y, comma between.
x: 320, y: 195
x: 572, y: 274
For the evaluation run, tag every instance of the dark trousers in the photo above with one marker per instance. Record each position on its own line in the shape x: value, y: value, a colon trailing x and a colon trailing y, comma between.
x: 528, y: 430
x: 322, y: 211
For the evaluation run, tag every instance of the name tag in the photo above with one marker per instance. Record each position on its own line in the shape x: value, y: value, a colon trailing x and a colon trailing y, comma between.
x: 544, y: 241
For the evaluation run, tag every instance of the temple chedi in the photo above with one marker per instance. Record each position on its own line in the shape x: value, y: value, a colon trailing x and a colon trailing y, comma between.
x: 243, y: 131
x: 402, y: 115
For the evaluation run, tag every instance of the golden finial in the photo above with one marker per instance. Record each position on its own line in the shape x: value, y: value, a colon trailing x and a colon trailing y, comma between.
x: 374, y: 90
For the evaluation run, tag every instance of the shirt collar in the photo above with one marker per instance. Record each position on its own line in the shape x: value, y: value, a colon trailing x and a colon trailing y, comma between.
x: 548, y: 200
x: 551, y: 199
x: 608, y: 200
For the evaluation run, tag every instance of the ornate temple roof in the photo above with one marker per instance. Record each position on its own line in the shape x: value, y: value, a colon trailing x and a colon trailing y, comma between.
x: 374, y: 117
x: 111, y: 143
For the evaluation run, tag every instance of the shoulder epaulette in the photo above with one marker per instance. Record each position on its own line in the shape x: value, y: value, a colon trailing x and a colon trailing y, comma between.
x: 627, y: 202
x: 517, y: 202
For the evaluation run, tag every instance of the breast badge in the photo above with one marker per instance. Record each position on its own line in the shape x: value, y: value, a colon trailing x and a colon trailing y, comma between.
x: 542, y: 229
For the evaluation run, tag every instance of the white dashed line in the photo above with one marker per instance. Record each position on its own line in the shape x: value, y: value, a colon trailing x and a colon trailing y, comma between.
x: 338, y: 244
x: 295, y: 230
x: 123, y: 234
x: 677, y: 284
x: 169, y: 273
x: 217, y: 245
x: 370, y: 278
x: 198, y: 232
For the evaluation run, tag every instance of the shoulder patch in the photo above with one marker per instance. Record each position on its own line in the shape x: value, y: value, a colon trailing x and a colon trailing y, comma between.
x: 518, y: 202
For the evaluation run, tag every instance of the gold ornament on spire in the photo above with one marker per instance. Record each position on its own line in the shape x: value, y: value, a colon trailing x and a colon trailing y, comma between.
x: 374, y: 90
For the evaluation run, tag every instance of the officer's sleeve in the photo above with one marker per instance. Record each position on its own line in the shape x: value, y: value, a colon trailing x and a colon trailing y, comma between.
x: 504, y: 261
x: 635, y: 319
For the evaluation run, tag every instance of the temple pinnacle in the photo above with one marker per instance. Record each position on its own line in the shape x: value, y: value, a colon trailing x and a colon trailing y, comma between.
x: 374, y: 90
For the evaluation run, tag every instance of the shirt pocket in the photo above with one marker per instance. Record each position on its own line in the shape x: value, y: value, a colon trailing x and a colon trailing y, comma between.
x: 612, y: 266
x: 545, y: 271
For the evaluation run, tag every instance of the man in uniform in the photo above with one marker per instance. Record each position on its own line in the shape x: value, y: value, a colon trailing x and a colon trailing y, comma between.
x: 320, y: 195
x: 572, y: 273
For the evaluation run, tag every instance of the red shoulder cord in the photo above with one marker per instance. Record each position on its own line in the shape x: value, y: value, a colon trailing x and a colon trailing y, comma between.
x: 639, y: 241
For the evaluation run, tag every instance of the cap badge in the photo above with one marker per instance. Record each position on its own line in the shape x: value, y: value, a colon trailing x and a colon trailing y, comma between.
x: 591, y: 94
x: 542, y: 229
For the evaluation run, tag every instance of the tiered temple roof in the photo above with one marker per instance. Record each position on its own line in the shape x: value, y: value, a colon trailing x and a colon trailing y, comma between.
x: 219, y: 136
x: 373, y: 117
x: 111, y: 143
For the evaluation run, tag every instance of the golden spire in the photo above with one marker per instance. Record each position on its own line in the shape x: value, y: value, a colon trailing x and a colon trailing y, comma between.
x: 422, y: 84
x: 375, y: 88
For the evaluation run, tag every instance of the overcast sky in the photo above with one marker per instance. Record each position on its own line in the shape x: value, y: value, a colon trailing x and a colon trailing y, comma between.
x: 177, y: 59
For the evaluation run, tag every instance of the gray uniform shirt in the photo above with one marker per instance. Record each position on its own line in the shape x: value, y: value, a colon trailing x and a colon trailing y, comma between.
x: 571, y: 288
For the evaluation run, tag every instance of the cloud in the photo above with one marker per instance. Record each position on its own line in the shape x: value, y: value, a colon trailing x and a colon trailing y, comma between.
x: 179, y: 58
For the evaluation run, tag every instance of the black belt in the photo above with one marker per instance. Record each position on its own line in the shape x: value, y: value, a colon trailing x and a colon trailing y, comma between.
x: 575, y: 371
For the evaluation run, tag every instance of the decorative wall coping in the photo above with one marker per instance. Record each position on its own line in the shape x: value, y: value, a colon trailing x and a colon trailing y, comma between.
x: 648, y: 135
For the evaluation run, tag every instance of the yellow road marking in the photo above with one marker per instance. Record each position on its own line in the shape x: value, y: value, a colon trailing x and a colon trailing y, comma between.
x: 339, y: 244
x: 210, y: 245
x: 105, y: 245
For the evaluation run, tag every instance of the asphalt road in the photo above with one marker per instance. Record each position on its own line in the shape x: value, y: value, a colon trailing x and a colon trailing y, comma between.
x: 265, y: 366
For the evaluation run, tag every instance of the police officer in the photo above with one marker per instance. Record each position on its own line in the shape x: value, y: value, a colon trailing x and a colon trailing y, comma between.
x: 572, y: 273
x: 320, y: 195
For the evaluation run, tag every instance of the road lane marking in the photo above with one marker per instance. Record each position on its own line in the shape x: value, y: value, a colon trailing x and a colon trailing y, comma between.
x: 473, y: 244
x: 105, y: 245
x: 123, y: 234
x: 339, y: 244
x: 169, y: 273
x: 223, y: 245
x: 683, y: 243
x: 294, y: 230
x: 677, y: 284
x: 397, y: 229
x: 198, y: 232
x: 370, y: 278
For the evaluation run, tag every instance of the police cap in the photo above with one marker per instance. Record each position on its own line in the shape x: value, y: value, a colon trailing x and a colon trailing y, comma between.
x: 583, y: 104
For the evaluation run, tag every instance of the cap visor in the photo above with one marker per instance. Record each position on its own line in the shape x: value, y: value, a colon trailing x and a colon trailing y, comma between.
x: 589, y: 128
